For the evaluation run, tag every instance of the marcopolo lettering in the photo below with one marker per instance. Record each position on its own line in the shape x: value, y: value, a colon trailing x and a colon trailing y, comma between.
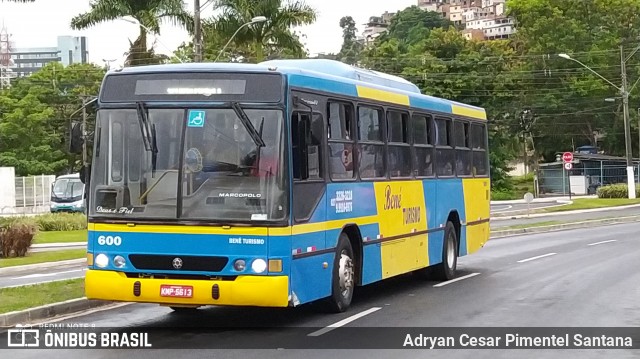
x: 240, y: 195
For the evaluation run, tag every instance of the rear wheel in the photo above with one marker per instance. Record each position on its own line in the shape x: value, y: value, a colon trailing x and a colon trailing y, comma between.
x: 343, y: 278
x: 447, y: 269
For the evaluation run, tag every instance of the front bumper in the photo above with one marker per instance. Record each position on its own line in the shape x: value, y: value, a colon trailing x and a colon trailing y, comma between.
x: 263, y: 291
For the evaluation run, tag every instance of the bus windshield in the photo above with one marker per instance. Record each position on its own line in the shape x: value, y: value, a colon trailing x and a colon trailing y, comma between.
x: 218, y: 164
x: 67, y: 189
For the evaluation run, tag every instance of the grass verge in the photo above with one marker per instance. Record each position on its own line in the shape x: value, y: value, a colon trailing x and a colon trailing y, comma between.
x: 42, y: 257
x: 60, y: 237
x: 20, y: 298
x: 590, y: 203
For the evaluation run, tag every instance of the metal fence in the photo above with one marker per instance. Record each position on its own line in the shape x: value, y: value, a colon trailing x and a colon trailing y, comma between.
x: 33, y: 194
x: 583, y: 179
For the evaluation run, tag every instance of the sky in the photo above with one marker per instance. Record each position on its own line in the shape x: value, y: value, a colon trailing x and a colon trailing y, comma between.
x: 38, y: 25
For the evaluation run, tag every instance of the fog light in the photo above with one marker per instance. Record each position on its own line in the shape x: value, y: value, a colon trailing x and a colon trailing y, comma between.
x: 259, y: 265
x: 102, y: 260
x: 239, y: 265
x: 275, y: 265
x: 119, y: 261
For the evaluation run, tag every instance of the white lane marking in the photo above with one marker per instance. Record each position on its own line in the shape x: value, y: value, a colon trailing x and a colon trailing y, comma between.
x: 603, y: 242
x: 502, y: 209
x: 457, y: 279
x: 537, y: 257
x: 343, y: 322
x: 38, y: 275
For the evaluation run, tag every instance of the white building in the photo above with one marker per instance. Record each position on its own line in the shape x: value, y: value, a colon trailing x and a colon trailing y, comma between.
x: 69, y: 50
x: 499, y: 28
x: 430, y: 5
x: 376, y: 26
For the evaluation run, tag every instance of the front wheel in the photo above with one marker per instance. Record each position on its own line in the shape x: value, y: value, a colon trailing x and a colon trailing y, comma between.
x: 447, y: 269
x: 343, y: 278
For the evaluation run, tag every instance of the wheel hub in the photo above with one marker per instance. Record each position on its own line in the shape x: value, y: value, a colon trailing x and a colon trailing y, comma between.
x: 345, y: 272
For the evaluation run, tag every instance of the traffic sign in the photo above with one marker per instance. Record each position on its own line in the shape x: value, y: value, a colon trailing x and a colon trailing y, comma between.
x: 567, y: 157
x: 568, y: 166
x: 528, y: 197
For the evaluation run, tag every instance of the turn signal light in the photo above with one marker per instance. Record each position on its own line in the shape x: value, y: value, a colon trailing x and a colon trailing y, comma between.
x: 275, y: 265
x: 89, y: 259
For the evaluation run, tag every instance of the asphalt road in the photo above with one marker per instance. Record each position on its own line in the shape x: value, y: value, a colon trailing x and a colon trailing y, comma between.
x: 586, y: 277
x: 566, y: 217
x: 35, y: 276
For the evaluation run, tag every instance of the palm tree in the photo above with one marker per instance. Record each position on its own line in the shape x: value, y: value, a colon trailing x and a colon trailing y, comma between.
x: 275, y: 33
x: 149, y: 13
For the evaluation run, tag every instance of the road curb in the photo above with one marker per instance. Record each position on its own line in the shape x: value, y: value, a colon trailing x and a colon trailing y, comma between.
x: 563, y: 226
x: 45, y: 265
x: 49, y: 311
x: 59, y: 245
x: 561, y: 213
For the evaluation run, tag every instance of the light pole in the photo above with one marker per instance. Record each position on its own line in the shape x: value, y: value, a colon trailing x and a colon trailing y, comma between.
x: 197, y: 32
x: 255, y: 20
x: 135, y: 21
x: 624, y: 93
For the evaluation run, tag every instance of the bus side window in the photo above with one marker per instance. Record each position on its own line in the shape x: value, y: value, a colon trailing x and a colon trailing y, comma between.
x: 479, y: 145
x: 306, y: 136
x: 445, y: 155
x: 341, y: 140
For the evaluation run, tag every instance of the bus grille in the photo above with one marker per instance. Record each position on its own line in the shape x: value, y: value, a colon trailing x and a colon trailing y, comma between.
x: 189, y: 263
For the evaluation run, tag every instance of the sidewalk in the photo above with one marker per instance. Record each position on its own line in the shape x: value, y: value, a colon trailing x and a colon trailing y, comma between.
x: 561, y: 199
x: 46, y: 247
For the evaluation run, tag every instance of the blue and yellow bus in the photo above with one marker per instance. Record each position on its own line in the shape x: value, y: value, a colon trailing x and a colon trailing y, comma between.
x: 277, y: 184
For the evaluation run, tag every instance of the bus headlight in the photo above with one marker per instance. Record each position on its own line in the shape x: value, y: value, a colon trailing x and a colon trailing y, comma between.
x: 259, y: 265
x: 239, y: 265
x: 119, y: 261
x: 102, y: 260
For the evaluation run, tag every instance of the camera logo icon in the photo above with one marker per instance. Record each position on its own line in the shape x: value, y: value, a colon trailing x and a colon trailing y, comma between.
x: 23, y: 337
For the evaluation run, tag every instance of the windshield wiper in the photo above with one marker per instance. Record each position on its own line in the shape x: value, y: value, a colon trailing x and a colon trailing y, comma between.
x: 145, y: 129
x: 148, y: 133
x: 257, y: 139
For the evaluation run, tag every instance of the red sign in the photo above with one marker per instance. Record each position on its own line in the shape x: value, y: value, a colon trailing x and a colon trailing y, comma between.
x: 567, y: 157
x: 181, y: 291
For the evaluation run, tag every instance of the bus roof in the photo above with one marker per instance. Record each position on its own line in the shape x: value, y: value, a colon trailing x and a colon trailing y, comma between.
x: 73, y: 175
x: 334, y: 77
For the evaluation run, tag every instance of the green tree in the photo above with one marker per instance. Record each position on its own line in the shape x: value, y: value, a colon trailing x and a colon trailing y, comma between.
x: 35, y: 117
x: 413, y: 24
x: 149, y: 13
x: 351, y: 48
x: 260, y: 39
x: 568, y: 99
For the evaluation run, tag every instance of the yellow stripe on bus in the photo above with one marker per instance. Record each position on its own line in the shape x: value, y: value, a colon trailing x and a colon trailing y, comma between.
x: 469, y: 112
x: 381, y: 95
x: 240, y: 230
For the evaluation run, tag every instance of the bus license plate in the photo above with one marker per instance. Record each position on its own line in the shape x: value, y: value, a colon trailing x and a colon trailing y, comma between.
x: 176, y: 291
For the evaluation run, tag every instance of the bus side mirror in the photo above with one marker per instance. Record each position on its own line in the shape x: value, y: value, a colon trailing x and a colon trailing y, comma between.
x: 85, y: 172
x: 75, y: 146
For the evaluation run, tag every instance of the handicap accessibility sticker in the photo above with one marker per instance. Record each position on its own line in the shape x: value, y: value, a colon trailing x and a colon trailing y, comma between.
x: 196, y: 118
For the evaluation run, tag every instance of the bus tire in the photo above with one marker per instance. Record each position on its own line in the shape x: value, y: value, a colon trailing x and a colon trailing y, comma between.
x: 446, y: 270
x: 343, y: 277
